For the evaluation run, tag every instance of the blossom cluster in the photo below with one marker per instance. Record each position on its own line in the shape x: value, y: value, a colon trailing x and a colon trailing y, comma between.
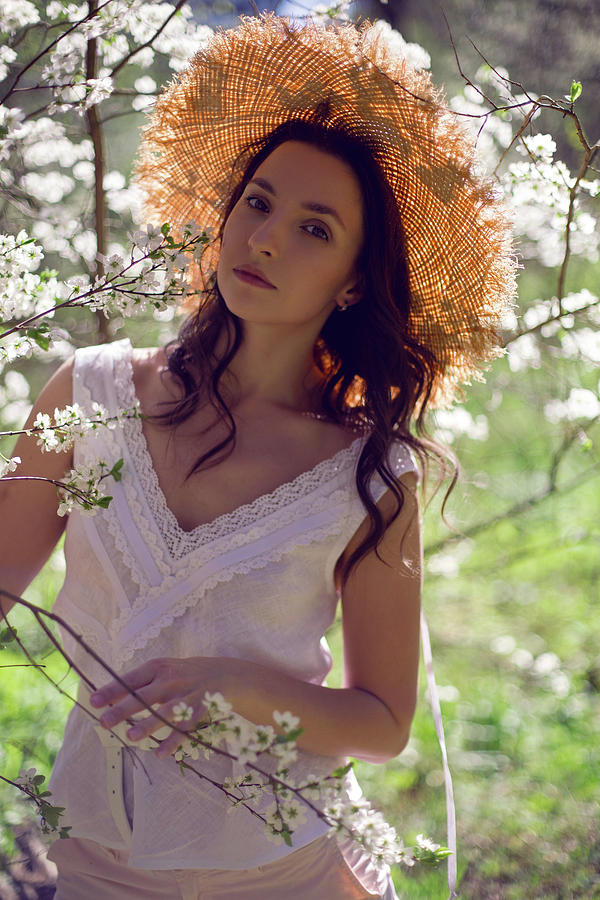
x: 60, y: 431
x: 245, y: 741
x: 30, y: 782
x: 81, y: 488
x: 155, y: 277
x: 119, y: 27
x: 540, y: 188
x: 23, y: 292
x: 328, y: 797
x: 8, y: 464
x: 14, y: 14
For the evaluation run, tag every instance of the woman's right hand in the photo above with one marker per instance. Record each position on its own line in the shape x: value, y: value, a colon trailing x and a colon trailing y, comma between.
x: 29, y: 524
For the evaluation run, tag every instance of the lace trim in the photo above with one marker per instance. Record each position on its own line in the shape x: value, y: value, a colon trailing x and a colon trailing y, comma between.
x: 182, y: 543
x: 193, y: 598
x: 267, y: 514
x: 227, y: 544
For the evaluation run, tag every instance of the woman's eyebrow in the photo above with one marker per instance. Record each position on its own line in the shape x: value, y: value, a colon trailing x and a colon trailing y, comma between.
x: 313, y: 207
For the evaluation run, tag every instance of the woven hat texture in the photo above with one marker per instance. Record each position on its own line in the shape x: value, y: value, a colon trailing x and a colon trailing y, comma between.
x: 250, y: 79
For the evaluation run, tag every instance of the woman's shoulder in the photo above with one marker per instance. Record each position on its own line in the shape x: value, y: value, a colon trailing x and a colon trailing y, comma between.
x: 148, y: 362
x: 151, y: 376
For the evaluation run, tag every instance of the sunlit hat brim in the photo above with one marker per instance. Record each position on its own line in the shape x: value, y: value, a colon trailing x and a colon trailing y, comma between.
x: 250, y: 79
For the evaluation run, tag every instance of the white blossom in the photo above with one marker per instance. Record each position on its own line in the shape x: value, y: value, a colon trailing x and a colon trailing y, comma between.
x: 84, y: 171
x: 182, y: 712
x: 524, y: 353
x: 216, y: 704
x: 324, y: 13
x: 25, y: 777
x: 67, y: 60
x: 97, y: 90
x: 11, y: 127
x: 580, y: 404
x: 7, y: 56
x: 425, y: 843
x: 142, y: 102
x: 67, y: 425
x: 52, y: 186
x: 145, y: 85
x: 60, y: 9
x: 456, y: 422
x: 81, y: 488
x: 15, y: 14
x: 415, y: 55
x: 8, y: 464
x: 286, y: 721
x: 542, y: 146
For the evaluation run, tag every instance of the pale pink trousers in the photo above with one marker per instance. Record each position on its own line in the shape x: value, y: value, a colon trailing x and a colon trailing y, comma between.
x: 89, y: 871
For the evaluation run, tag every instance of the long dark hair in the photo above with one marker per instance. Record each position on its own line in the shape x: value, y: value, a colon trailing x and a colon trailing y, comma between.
x: 376, y: 377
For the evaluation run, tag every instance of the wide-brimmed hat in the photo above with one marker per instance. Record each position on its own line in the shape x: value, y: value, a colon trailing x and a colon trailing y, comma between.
x: 250, y: 79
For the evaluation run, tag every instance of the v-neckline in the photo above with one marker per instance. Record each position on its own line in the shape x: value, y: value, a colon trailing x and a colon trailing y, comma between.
x: 180, y: 541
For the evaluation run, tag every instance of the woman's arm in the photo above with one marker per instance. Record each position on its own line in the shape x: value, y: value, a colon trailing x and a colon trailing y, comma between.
x: 29, y: 524
x: 370, y: 716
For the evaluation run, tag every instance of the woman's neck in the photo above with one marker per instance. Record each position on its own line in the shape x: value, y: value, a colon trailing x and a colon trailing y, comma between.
x: 273, y: 368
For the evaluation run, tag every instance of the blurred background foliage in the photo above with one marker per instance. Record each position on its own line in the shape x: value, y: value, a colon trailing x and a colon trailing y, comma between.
x: 512, y: 585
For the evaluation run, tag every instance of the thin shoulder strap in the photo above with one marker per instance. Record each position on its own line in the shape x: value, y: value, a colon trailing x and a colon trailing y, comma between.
x: 439, y: 728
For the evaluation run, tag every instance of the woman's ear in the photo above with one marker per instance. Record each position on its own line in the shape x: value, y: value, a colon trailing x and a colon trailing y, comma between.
x: 350, y: 295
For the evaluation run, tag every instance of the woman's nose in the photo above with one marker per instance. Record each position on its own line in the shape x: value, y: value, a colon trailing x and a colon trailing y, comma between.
x: 266, y: 238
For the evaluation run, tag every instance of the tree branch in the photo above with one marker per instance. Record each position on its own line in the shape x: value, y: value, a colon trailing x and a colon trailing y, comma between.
x: 150, y: 41
x: 50, y: 47
x: 515, y: 510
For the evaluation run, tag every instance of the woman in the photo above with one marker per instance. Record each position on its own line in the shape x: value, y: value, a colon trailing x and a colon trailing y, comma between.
x: 361, y: 269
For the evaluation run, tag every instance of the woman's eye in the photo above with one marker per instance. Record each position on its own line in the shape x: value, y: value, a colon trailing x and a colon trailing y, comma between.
x: 318, y: 232
x: 256, y: 203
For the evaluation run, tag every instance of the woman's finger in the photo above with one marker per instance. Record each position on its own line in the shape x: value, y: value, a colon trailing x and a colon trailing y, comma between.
x: 176, y: 712
x: 170, y: 744
x: 113, y: 691
x: 131, y: 706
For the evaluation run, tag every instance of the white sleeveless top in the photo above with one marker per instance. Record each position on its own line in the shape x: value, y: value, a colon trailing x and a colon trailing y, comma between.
x: 256, y: 583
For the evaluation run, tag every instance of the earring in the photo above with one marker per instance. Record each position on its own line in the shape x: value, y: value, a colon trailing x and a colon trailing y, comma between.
x: 343, y: 307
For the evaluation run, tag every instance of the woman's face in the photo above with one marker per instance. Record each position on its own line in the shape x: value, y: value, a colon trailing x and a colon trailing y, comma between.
x: 299, y: 225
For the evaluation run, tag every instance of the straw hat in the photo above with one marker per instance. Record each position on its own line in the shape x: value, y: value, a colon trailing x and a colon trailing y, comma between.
x: 250, y: 79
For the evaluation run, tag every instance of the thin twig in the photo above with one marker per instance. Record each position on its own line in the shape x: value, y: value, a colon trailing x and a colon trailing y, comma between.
x: 572, y: 198
x: 50, y: 47
x: 150, y: 41
x: 560, y: 315
x: 515, y: 510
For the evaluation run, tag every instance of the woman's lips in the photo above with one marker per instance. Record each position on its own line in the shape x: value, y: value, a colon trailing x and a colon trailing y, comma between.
x: 249, y: 278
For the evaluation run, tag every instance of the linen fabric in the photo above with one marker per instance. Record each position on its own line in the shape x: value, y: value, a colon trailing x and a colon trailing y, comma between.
x: 256, y: 583
x: 315, y: 872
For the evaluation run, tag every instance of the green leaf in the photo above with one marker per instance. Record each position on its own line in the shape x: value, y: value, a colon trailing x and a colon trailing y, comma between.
x: 40, y: 334
x: 576, y: 89
x: 343, y: 770
x: 104, y: 502
x: 47, y: 274
x: 116, y: 470
x: 6, y: 636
